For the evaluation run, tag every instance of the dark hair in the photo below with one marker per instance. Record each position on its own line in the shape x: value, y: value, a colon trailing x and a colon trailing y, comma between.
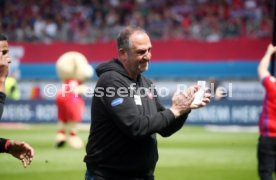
x: 123, y: 37
x: 3, y: 37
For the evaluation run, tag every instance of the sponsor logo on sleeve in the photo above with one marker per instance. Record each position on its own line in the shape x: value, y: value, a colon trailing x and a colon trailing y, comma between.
x: 117, y: 102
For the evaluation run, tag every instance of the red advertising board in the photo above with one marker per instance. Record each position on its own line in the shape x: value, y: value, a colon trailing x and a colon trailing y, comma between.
x: 177, y: 50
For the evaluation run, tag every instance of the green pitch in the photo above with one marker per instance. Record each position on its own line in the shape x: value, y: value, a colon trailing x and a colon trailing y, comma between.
x: 192, y: 153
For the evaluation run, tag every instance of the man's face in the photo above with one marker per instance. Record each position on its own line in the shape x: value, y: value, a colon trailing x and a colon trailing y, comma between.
x: 139, y: 53
x: 4, y: 48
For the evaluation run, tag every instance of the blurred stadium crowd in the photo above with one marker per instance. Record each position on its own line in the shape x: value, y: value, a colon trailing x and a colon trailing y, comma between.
x: 88, y: 21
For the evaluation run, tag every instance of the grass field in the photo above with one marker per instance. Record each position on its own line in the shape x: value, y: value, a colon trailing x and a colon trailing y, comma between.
x: 192, y: 153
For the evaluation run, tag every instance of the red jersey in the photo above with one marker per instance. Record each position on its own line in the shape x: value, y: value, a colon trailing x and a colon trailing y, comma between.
x: 70, y: 105
x: 267, y: 121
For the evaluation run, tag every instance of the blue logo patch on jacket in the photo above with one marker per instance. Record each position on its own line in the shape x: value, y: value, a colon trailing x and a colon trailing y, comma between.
x: 117, y: 101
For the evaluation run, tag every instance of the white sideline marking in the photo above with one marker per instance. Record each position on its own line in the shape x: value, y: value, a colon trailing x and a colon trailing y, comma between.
x: 14, y: 126
x: 234, y: 129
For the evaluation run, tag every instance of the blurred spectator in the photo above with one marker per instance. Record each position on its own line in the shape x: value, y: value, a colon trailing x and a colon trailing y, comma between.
x: 87, y: 21
x: 11, y: 88
x: 36, y: 93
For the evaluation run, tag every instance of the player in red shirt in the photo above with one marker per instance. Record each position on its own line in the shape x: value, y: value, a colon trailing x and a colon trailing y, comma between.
x: 73, y: 69
x: 267, y: 121
x: 70, y: 107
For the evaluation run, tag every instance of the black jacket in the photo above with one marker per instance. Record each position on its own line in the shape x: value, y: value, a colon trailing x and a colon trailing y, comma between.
x: 2, y: 102
x: 122, y: 140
